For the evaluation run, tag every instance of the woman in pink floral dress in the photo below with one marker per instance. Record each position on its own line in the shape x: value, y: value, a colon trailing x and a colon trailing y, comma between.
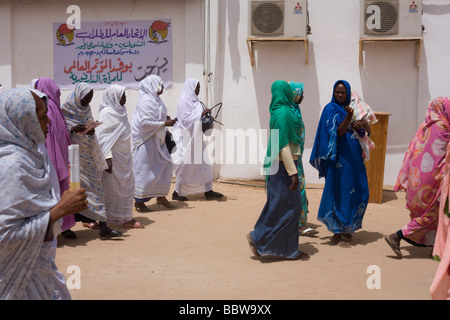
x: 421, y: 177
x: 440, y: 288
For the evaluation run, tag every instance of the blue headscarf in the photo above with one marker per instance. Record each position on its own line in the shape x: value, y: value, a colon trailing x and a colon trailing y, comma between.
x: 349, y: 93
x: 325, y: 145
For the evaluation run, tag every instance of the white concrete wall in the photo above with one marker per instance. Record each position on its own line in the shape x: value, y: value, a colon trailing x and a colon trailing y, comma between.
x: 5, y: 44
x: 389, y: 80
x: 31, y: 42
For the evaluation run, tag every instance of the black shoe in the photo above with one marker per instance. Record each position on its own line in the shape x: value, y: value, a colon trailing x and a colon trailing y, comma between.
x: 211, y: 195
x: 108, y: 233
x: 111, y: 234
x: 69, y: 234
x: 175, y: 196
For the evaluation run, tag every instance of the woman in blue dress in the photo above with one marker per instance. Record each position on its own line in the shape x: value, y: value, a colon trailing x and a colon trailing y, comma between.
x: 337, y: 155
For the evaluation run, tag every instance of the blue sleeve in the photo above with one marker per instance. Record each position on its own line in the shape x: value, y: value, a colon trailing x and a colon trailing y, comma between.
x: 325, y: 148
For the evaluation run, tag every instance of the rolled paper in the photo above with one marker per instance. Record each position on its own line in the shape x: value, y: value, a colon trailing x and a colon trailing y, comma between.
x: 74, y: 167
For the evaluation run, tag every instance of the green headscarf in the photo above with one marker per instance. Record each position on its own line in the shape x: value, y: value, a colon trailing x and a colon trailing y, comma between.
x: 284, y: 120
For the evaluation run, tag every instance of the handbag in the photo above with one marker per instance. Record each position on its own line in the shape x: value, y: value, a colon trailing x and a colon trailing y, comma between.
x: 170, y: 144
x: 208, y: 120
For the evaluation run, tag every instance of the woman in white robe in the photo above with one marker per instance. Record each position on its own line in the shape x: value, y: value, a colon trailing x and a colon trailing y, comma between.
x: 30, y: 205
x: 194, y: 172
x: 77, y: 112
x: 152, y: 164
x: 114, y: 136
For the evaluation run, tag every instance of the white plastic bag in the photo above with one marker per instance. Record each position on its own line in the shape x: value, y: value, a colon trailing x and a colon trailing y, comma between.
x: 363, y: 111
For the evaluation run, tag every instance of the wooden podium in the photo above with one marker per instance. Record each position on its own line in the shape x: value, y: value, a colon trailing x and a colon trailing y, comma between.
x: 375, y: 166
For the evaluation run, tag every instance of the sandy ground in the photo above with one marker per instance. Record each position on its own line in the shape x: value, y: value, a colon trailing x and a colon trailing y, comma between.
x: 199, y: 251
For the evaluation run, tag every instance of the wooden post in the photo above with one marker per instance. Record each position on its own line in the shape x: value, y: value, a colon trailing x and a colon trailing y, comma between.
x: 375, y: 166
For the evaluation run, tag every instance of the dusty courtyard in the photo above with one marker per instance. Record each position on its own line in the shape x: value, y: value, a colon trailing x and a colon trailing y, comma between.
x: 198, y: 251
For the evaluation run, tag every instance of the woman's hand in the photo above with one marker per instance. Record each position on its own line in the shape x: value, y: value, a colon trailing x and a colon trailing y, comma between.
x: 295, y: 182
x: 350, y: 111
x: 71, y: 202
x: 342, y: 129
x: 91, y: 132
x: 206, y: 111
x: 361, y: 124
x: 170, y: 122
x: 78, y: 128
x: 109, y: 163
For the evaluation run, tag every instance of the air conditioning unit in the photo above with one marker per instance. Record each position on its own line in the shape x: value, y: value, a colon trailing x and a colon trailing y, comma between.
x: 391, y: 18
x: 278, y: 18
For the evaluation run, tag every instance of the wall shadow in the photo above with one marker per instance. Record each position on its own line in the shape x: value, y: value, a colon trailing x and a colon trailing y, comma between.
x: 392, y: 82
x: 286, y: 61
x: 389, y: 195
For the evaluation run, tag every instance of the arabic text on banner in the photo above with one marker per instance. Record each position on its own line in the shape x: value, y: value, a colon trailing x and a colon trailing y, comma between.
x: 112, y: 52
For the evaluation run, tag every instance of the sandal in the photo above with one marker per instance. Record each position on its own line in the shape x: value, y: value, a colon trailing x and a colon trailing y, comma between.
x: 347, y: 237
x: 394, y: 246
x: 344, y: 244
x: 252, y: 245
x: 133, y: 224
x: 302, y: 256
x: 308, y: 232
x: 336, y: 238
x: 141, y: 207
x: 91, y: 225
x: 165, y: 203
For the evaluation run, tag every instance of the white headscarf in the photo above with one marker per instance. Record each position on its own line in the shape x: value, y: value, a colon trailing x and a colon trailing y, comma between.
x: 193, y: 169
x: 189, y: 106
x: 28, y: 197
x: 111, y: 99
x: 114, y: 119
x: 150, y: 113
x: 187, y: 132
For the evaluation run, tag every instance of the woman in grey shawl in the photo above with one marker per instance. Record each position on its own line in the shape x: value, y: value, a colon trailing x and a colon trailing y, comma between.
x: 29, y: 203
x: 77, y: 112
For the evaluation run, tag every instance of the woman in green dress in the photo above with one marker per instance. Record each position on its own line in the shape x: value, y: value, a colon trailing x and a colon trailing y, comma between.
x: 298, y: 89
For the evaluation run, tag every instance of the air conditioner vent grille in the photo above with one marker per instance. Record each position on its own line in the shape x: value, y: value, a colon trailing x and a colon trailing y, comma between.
x: 267, y: 17
x: 381, y: 17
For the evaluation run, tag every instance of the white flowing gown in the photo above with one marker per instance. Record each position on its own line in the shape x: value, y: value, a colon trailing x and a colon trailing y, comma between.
x: 194, y: 172
x: 114, y: 137
x: 152, y: 164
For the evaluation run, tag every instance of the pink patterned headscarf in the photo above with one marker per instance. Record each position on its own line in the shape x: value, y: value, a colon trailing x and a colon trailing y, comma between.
x: 423, y: 167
